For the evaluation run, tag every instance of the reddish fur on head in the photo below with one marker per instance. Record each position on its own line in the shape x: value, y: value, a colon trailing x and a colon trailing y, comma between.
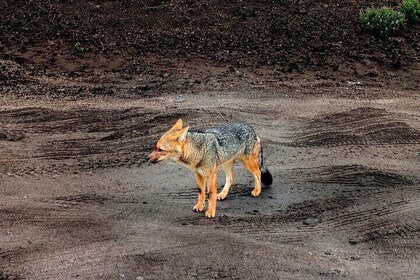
x: 170, y: 144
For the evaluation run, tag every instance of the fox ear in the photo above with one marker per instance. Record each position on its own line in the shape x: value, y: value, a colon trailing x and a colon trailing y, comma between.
x: 182, y: 134
x: 178, y: 125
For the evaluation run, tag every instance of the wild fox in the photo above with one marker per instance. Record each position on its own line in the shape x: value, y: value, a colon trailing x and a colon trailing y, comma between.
x: 204, y: 150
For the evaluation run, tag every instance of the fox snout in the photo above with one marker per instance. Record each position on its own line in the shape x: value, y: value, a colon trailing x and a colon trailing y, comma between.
x: 154, y: 156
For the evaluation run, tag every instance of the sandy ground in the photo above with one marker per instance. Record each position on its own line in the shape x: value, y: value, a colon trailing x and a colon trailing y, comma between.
x: 79, y: 201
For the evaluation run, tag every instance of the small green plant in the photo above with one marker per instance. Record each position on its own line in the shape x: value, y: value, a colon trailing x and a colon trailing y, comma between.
x: 79, y: 47
x: 411, y: 9
x: 382, y: 22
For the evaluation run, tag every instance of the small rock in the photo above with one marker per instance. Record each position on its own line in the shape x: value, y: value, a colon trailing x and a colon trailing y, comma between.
x: 356, y: 83
x: 353, y: 241
x: 372, y: 74
x: 11, y: 135
x: 310, y: 222
x: 179, y: 99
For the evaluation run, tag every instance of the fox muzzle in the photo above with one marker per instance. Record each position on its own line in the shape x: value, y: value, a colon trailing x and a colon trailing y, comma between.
x: 154, y: 157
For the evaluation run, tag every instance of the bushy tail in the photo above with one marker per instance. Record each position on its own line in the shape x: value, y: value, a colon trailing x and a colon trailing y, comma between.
x: 266, y: 177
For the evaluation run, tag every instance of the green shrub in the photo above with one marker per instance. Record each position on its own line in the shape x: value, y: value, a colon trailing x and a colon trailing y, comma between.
x: 79, y: 47
x: 411, y: 9
x: 382, y: 22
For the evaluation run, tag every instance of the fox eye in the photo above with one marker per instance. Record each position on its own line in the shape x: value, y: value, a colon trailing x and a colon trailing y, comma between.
x: 159, y: 149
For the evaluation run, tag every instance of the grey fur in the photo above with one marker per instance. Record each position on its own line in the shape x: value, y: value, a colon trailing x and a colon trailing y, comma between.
x: 221, y: 144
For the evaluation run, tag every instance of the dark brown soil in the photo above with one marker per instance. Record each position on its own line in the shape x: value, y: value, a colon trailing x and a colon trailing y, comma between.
x: 337, y: 111
x: 173, y: 40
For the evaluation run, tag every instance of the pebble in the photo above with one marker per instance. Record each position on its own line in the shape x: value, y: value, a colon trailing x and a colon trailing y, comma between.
x: 179, y: 99
x: 353, y: 241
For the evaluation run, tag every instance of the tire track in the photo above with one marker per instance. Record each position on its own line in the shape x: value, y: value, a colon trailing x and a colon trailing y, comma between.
x: 59, y: 141
x: 353, y: 175
x: 324, y: 216
x: 367, y: 216
x: 362, y: 126
x: 405, y: 231
x: 376, y: 207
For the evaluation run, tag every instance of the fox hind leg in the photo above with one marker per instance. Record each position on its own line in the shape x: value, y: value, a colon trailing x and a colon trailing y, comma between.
x: 201, y: 184
x: 252, y: 165
x: 228, y: 169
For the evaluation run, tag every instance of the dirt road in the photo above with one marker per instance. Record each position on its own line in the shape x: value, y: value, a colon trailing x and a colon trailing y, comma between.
x: 87, y: 87
x: 78, y: 200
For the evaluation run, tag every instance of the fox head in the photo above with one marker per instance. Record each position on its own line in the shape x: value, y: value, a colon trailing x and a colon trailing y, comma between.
x: 170, y: 144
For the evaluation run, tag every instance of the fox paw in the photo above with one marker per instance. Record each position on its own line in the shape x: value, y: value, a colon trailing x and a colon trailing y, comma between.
x: 221, y: 196
x: 198, y: 207
x: 210, y: 213
x: 256, y: 192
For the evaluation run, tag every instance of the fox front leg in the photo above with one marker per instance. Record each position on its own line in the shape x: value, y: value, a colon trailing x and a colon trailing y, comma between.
x: 212, y: 189
x: 201, y: 185
x: 228, y: 169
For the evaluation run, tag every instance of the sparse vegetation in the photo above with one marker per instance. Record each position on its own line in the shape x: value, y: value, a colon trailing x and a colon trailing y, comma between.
x: 382, y: 22
x: 79, y: 47
x: 411, y: 9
